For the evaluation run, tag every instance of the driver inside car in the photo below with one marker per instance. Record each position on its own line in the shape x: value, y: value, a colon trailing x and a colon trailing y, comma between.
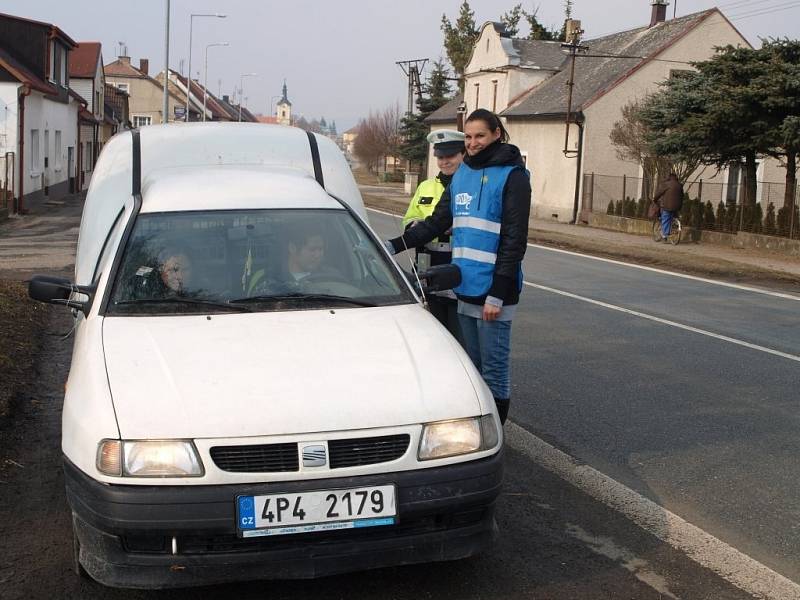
x: 305, y: 252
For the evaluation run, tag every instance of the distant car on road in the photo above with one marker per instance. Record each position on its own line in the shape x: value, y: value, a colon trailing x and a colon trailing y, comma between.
x: 247, y: 397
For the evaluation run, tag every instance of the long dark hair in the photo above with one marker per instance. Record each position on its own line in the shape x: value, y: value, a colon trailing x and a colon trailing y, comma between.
x: 492, y: 121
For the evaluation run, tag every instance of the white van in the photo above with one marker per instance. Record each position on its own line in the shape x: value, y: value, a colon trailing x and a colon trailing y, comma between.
x: 256, y: 390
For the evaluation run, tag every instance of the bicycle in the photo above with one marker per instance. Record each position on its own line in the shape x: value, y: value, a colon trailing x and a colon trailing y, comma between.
x: 674, y: 236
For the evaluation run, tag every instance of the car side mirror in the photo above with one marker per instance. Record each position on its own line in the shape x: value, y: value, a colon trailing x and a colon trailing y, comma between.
x: 58, y: 290
x: 440, y: 278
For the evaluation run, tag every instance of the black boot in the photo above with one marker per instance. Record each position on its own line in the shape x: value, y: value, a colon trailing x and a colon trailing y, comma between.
x: 502, y: 407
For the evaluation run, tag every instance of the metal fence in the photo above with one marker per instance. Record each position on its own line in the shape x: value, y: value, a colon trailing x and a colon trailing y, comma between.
x: 707, y: 205
x: 6, y: 180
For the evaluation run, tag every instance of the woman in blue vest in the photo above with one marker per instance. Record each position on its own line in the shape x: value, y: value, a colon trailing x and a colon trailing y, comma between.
x: 487, y: 204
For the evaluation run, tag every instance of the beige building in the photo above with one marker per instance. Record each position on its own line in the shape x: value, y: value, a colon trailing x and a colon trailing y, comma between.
x: 146, y: 95
x: 526, y: 83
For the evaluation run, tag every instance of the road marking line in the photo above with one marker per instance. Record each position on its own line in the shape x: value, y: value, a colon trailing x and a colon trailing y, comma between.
x: 710, y: 552
x: 737, y: 286
x: 665, y: 322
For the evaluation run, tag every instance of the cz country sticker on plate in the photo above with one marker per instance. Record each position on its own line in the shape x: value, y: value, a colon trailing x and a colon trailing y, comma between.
x: 319, y: 510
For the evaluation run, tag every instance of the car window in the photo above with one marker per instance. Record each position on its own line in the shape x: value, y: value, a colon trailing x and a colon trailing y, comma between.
x: 267, y: 259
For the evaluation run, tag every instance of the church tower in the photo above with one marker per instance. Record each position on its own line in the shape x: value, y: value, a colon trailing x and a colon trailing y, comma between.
x: 284, y: 108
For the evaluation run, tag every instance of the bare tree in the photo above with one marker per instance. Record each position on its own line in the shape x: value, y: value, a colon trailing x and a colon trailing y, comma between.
x: 378, y: 137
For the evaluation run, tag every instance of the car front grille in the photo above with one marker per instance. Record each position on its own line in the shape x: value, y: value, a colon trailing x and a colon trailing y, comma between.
x: 367, y: 451
x: 281, y: 458
x: 260, y: 458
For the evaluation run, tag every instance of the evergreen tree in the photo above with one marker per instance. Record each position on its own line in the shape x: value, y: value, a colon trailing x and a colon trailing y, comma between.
x: 539, y: 31
x: 708, y: 216
x: 459, y: 39
x: 715, y: 113
x: 770, y: 226
x: 511, y: 19
x: 722, y: 216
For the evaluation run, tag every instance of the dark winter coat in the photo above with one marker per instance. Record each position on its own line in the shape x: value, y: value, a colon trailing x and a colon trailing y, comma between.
x: 513, y: 225
x: 670, y: 194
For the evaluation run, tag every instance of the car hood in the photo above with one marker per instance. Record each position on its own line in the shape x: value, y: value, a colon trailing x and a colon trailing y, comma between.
x: 272, y: 373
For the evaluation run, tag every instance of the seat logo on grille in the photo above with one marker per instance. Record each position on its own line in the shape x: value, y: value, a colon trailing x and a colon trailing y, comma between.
x: 314, y: 456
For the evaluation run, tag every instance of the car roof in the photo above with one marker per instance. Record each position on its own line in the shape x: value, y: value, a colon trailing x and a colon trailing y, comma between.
x: 230, y: 187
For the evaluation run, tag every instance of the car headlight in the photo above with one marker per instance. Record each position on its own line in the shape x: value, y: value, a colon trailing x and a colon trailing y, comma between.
x: 451, y: 438
x: 161, y: 458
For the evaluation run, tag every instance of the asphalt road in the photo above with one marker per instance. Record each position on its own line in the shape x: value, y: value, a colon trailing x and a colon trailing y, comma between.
x: 682, y: 390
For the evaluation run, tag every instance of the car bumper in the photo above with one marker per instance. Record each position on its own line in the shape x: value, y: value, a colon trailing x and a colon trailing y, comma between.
x: 126, y: 532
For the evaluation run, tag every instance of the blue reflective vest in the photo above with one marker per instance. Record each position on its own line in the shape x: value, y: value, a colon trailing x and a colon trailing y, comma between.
x: 476, y: 200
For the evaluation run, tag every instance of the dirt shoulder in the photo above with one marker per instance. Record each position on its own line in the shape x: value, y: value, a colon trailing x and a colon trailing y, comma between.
x: 22, y: 323
x: 624, y: 247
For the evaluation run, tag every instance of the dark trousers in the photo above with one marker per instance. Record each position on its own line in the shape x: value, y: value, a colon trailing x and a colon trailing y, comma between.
x: 445, y: 311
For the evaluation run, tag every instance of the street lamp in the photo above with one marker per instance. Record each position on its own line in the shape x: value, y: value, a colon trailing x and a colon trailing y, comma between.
x: 205, y: 76
x: 241, y: 90
x: 189, y: 78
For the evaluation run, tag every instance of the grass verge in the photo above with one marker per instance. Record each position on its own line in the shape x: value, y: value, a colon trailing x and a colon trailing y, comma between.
x: 22, y: 322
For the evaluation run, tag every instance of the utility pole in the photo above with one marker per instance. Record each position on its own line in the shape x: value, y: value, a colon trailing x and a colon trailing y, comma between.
x: 412, y: 70
x: 574, y: 32
x: 165, y: 117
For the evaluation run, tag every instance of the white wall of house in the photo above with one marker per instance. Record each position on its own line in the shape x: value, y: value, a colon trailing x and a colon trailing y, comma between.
x: 8, y: 117
x: 43, y: 119
x: 552, y: 174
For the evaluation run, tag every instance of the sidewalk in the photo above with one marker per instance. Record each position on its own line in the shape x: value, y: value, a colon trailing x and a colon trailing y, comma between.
x: 735, y: 265
x: 42, y: 241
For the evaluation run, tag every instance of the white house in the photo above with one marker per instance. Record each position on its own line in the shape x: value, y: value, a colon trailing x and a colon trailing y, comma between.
x: 38, y: 111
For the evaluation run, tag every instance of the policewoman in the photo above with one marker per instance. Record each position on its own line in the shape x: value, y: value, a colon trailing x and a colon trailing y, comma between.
x: 487, y: 205
x: 448, y: 148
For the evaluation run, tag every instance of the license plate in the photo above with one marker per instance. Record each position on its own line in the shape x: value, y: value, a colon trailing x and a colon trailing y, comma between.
x: 319, y: 510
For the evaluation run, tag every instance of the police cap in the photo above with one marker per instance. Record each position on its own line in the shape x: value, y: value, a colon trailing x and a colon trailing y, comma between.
x: 446, y: 142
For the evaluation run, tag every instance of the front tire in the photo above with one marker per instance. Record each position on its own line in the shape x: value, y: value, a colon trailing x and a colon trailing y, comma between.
x: 675, y: 232
x: 657, y: 231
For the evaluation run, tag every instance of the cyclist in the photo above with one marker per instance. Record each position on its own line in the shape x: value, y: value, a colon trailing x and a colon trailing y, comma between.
x: 669, y: 198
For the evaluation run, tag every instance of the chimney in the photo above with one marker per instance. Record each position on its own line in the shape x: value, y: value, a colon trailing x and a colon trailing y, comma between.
x: 125, y: 60
x: 144, y: 64
x: 226, y: 99
x: 659, y: 14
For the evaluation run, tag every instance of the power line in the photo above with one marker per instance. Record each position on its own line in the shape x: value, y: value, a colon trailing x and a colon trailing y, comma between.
x: 774, y: 9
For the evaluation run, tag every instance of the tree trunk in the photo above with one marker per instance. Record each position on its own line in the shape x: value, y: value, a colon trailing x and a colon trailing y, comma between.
x: 791, y: 180
x: 750, y: 183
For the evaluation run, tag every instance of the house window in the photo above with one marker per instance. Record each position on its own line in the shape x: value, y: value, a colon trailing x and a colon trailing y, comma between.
x: 477, y: 95
x: 35, y: 156
x: 122, y: 86
x: 141, y: 121
x: 46, y: 148
x: 494, y: 95
x: 487, y: 44
x: 97, y: 103
x: 57, y: 151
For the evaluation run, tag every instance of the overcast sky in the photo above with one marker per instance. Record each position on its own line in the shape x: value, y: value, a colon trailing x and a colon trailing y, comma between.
x: 338, y: 56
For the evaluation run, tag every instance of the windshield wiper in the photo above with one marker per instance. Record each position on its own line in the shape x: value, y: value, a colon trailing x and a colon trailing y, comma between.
x: 193, y: 301
x: 301, y: 296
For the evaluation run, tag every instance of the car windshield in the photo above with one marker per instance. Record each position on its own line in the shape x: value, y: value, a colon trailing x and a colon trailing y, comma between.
x: 252, y: 260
